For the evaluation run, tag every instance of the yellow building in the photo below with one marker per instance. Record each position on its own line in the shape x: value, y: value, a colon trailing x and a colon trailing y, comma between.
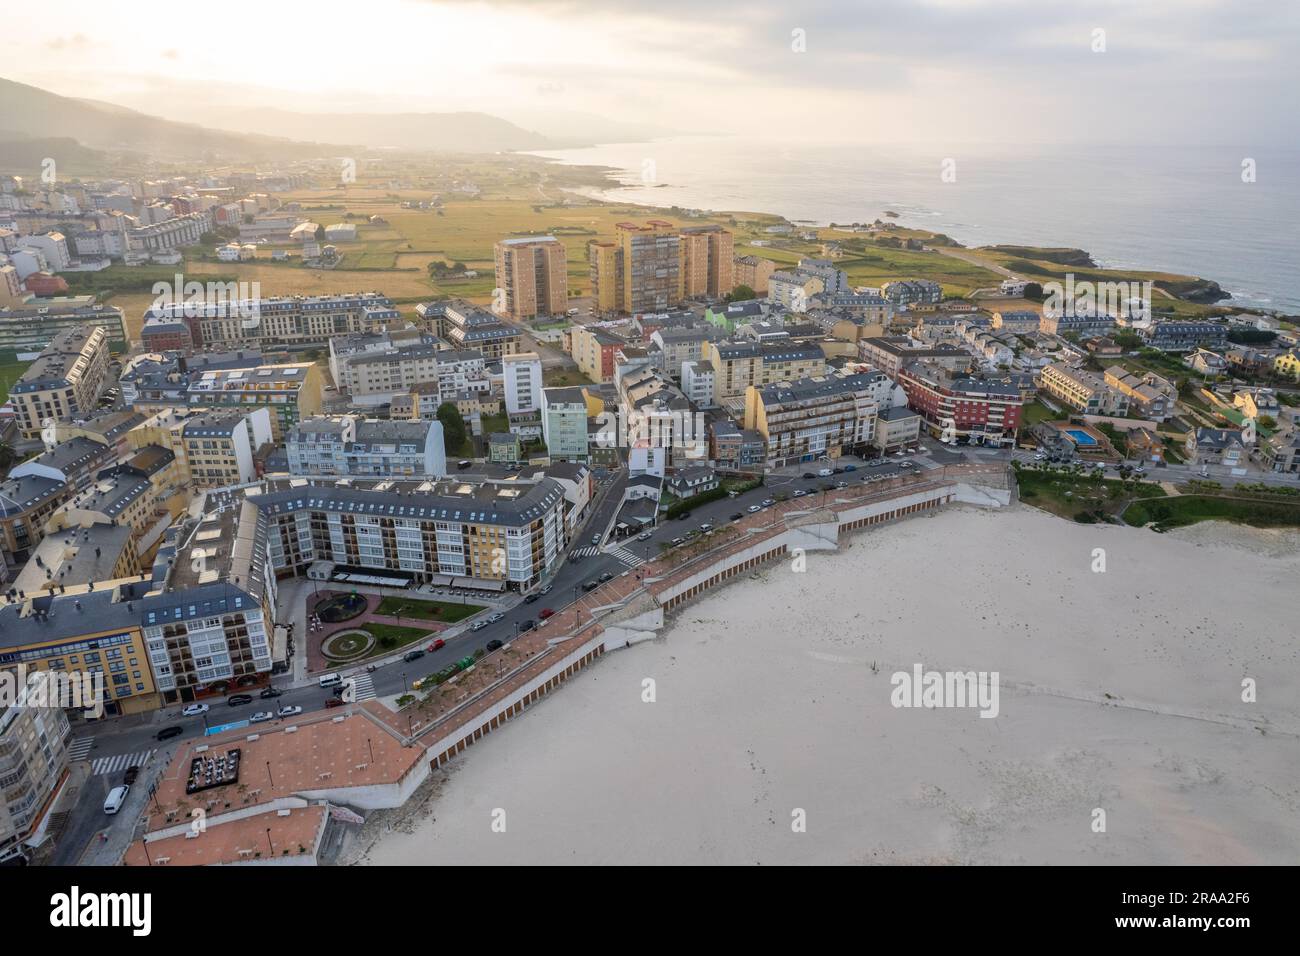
x: 605, y: 265
x: 739, y: 365
x: 1288, y: 365
x: 532, y: 274
x: 84, y: 630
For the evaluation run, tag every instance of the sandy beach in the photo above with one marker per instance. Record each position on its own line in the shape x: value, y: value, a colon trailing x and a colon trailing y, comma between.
x: 1120, y: 691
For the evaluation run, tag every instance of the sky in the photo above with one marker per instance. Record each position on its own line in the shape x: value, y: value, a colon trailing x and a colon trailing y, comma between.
x: 828, y: 70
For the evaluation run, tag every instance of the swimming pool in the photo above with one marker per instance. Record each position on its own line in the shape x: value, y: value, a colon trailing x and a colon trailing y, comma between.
x: 1080, y: 437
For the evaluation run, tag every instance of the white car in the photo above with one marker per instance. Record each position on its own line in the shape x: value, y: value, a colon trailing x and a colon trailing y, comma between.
x: 495, y: 616
x: 261, y: 717
x: 754, y: 508
x: 478, y: 625
x: 288, y: 711
x: 643, y: 536
x: 195, y: 710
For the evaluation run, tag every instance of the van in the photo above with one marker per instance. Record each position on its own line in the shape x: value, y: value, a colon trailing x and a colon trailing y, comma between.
x: 824, y: 472
x: 330, y: 680
x: 116, y: 797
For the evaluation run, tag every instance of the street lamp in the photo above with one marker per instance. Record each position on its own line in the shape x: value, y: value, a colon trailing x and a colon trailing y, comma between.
x: 268, y: 841
x: 268, y: 773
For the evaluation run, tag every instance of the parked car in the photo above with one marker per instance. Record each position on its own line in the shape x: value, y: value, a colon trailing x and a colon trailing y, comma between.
x: 195, y: 710
x: 808, y: 474
x: 684, y: 516
x: 292, y: 710
x: 239, y: 700
x: 261, y: 717
x: 824, y: 472
x: 850, y: 467
x: 677, y: 541
x: 479, y: 625
x: 531, y: 598
x: 545, y: 613
x: 129, y: 776
x: 591, y: 586
x: 545, y: 589
x: 334, y: 702
x: 270, y: 692
x: 412, y: 656
x: 768, y: 502
x: 754, y: 509
x: 167, y: 733
x: 495, y: 616
x: 841, y: 484
x: 706, y: 528
x: 800, y: 492
x: 527, y: 626
x: 437, y: 645
x: 643, y: 536
x: 493, y: 645
x: 606, y: 576
x: 737, y: 516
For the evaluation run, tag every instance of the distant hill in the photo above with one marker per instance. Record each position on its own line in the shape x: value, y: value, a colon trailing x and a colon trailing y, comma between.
x: 27, y: 113
x: 443, y: 132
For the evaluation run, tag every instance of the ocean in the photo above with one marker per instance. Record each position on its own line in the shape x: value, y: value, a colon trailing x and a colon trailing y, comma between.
x: 1164, y: 208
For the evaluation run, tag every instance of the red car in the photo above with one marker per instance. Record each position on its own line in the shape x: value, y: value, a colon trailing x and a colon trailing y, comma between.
x: 546, y: 612
x: 334, y: 702
x: 439, y: 643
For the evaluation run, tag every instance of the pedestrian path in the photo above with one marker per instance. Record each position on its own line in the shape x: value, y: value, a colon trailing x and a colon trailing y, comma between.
x: 364, y: 686
x: 120, y: 762
x: 79, y: 749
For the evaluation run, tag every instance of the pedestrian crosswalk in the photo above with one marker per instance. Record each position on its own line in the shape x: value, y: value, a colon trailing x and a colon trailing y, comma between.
x: 120, y: 762
x: 364, y: 685
x: 584, y: 552
x: 628, y: 557
x: 79, y: 749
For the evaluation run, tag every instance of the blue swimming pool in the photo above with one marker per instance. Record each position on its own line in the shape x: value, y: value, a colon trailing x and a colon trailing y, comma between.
x: 1080, y: 437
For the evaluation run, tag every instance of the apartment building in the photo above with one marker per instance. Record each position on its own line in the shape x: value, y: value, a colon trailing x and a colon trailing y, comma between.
x: 1150, y: 396
x: 224, y: 319
x: 207, y: 617
x: 490, y: 534
x: 707, y: 263
x: 698, y: 383
x: 468, y: 327
x: 680, y: 344
x: 1018, y: 320
x: 793, y: 290
x: 170, y: 234
x: 289, y: 392
x: 350, y: 446
x: 218, y: 447
x: 1082, y: 390
x: 605, y: 272
x: 564, y: 423
x: 532, y: 273
x: 1183, y: 336
x: 651, y: 265
x: 889, y: 353
x: 65, y: 381
x: 345, y: 348
x: 738, y: 365
x: 960, y: 408
x: 753, y: 272
x: 821, y: 416
x: 1097, y: 323
x: 910, y: 293
x: 594, y: 349
x: 735, y: 450
x: 522, y: 377
x: 33, y: 765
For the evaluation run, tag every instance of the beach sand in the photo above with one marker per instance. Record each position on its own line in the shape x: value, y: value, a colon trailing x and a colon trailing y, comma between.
x: 1119, y: 691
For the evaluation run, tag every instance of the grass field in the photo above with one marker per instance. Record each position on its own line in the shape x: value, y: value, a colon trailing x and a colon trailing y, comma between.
x: 1186, y: 510
x: 9, y: 374
x: 1069, y: 495
x: 426, y: 610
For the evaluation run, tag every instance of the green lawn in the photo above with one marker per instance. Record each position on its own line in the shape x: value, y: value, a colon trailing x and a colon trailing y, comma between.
x: 402, y: 635
x: 1070, y: 496
x: 1186, y: 510
x: 11, y: 373
x: 440, y: 611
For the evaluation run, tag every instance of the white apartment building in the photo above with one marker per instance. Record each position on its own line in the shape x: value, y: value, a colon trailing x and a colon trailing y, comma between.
x: 522, y: 374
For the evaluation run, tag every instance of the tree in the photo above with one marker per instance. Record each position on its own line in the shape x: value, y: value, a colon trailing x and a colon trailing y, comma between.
x: 741, y: 293
x: 453, y: 428
x: 320, y: 233
x: 1265, y: 421
x: 7, y: 454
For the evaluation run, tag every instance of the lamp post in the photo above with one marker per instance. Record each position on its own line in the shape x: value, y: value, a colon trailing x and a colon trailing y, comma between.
x: 268, y: 841
x: 268, y: 773
x: 371, y: 748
